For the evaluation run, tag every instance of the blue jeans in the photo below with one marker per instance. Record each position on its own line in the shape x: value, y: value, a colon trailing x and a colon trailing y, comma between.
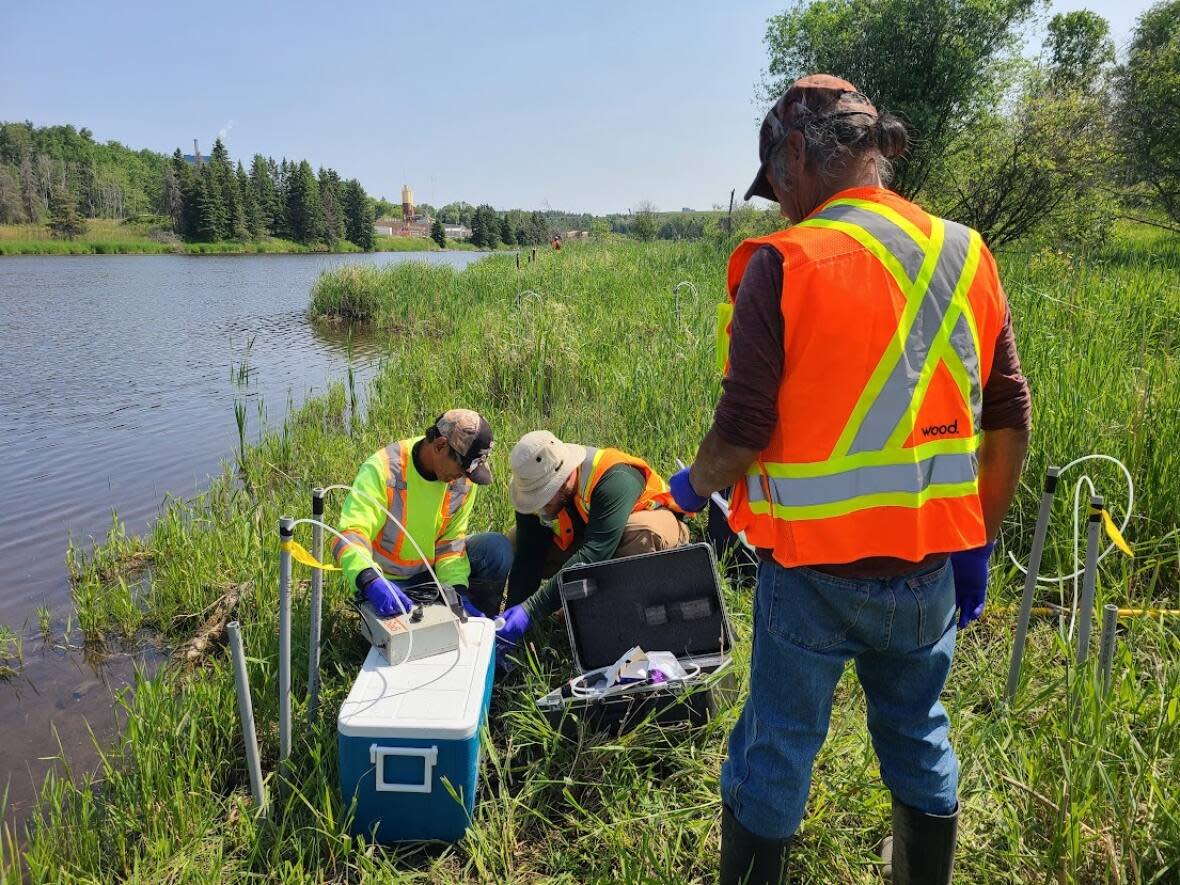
x: 901, y: 634
x: 490, y: 555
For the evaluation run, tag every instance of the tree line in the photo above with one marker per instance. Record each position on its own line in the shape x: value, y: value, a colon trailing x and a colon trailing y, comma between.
x: 61, y: 176
x: 102, y: 180
x: 216, y: 200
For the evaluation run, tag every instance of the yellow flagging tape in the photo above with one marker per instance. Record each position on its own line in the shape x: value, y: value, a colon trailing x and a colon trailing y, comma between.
x: 1049, y: 610
x: 721, y: 334
x: 301, y: 554
x: 1113, y: 531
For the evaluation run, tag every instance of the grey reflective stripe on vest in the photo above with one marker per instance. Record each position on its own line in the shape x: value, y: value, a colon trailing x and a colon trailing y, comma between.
x: 910, y: 478
x: 964, y: 345
x: 460, y: 489
x: 896, y: 398
x: 896, y: 240
x: 586, y: 471
x: 390, y: 533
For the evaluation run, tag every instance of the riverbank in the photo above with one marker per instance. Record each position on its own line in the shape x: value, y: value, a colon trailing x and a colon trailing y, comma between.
x: 591, y: 343
x: 108, y: 237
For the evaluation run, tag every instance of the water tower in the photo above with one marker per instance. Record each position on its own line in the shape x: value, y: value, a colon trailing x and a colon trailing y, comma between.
x: 407, y: 202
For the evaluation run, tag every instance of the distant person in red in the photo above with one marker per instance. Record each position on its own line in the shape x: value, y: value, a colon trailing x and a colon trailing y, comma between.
x: 557, y: 242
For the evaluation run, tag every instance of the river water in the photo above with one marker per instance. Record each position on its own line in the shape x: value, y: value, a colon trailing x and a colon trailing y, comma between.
x: 118, y: 380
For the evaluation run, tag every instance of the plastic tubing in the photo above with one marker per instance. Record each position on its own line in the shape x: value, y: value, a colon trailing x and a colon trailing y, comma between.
x: 578, y: 692
x: 1079, y: 569
x: 1059, y: 579
x: 410, y: 638
x: 425, y: 560
x: 372, y: 562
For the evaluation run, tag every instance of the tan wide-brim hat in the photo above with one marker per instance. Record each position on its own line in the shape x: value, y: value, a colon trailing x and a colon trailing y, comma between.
x: 540, y: 463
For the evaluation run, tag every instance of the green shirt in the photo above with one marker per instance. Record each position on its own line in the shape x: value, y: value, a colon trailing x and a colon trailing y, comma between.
x: 611, y: 505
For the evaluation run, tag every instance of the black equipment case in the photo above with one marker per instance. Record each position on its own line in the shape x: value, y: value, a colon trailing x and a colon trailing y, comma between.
x: 669, y: 600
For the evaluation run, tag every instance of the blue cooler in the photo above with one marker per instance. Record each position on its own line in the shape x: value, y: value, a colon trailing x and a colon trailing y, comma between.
x: 409, y: 740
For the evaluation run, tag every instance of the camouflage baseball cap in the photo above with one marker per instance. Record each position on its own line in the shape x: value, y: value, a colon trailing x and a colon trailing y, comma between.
x: 470, y: 436
x: 816, y: 94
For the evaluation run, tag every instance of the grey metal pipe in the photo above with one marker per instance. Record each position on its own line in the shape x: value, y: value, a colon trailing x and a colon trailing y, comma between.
x: 1030, y: 580
x: 1110, y: 620
x: 246, y: 713
x: 286, y: 533
x: 1089, y: 578
x: 317, y: 597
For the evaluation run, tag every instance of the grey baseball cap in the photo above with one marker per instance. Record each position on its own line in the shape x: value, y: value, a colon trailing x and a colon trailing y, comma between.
x: 470, y: 436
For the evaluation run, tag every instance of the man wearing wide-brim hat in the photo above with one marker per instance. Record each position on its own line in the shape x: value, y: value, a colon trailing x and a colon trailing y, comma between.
x: 578, y: 504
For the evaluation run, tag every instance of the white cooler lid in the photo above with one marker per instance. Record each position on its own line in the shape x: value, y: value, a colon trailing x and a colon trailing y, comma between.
x: 436, y: 697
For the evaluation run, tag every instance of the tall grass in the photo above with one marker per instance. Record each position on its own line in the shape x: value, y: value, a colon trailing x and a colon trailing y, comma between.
x: 589, y: 343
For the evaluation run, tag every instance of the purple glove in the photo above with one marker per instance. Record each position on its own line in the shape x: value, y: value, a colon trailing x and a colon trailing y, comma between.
x: 469, y: 607
x: 684, y: 494
x: 516, y: 624
x: 970, y: 568
x: 387, y: 598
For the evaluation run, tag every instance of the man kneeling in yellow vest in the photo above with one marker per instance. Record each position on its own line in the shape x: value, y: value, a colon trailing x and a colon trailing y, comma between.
x: 428, y: 483
x: 578, y: 504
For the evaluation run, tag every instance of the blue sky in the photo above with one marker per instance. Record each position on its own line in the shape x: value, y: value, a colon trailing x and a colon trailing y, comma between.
x: 590, y: 106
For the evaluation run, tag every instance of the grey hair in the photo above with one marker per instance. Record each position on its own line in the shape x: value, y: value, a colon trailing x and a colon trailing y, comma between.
x: 835, y: 140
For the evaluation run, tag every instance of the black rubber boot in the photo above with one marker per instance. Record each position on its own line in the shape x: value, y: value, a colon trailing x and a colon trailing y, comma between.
x: 922, y: 849
x: 486, y: 597
x: 747, y: 859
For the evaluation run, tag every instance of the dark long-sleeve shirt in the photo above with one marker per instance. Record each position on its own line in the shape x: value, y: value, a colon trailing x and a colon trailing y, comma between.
x: 611, y: 506
x: 747, y: 412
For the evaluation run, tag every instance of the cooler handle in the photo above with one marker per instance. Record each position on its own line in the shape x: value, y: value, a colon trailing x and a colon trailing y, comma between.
x: 428, y: 755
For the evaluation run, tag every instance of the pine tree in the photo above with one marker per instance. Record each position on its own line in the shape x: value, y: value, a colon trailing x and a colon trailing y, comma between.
x: 234, y: 225
x: 438, y: 233
x: 282, y: 179
x: 178, y: 194
x: 538, y: 229
x: 304, y: 211
x: 64, y: 222
x: 485, y: 227
x: 263, y: 173
x: 333, y: 218
x: 358, y: 215
x: 251, y: 212
x: 209, y: 222
x: 506, y: 235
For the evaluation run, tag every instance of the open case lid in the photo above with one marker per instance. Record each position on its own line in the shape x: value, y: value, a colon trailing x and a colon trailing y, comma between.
x: 664, y: 601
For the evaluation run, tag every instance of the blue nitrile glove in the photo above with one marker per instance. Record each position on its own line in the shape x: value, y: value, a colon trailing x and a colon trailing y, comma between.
x: 469, y: 607
x: 970, y: 568
x: 684, y: 494
x: 516, y: 624
x: 387, y: 598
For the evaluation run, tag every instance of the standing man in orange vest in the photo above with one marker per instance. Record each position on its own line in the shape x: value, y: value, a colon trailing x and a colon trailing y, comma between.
x: 872, y: 423
x: 578, y: 504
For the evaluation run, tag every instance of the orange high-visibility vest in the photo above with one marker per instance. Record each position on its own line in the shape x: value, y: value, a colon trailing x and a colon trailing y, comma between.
x: 595, y: 465
x: 891, y: 317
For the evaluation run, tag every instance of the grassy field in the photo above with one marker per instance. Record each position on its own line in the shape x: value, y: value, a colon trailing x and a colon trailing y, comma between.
x: 109, y: 237
x: 592, y: 344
